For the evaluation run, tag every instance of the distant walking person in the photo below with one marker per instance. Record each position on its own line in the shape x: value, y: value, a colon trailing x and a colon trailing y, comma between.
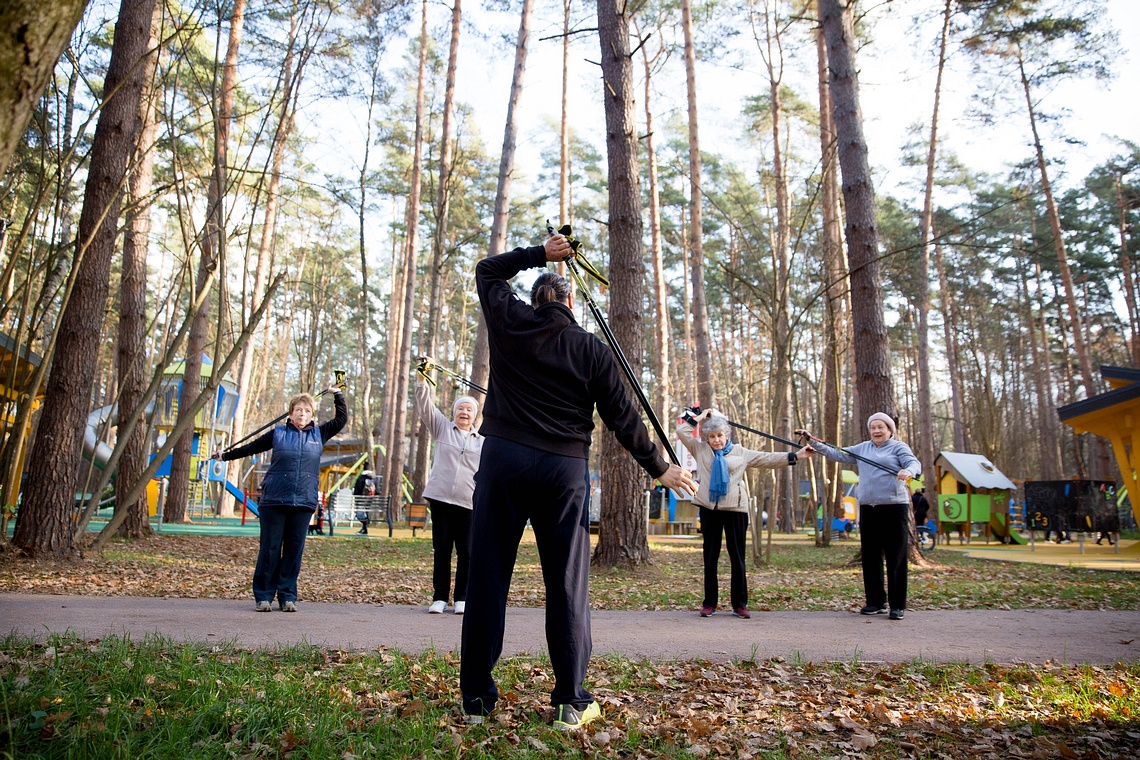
x: 723, y: 501
x: 289, y: 496
x: 547, y: 376
x: 883, y: 505
x: 449, y: 490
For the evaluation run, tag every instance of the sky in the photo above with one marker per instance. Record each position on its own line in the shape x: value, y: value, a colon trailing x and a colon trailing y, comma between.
x: 897, y: 70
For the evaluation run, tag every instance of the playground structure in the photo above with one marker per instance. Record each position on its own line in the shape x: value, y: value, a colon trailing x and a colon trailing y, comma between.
x: 973, y: 493
x: 18, y: 365
x: 1063, y: 506
x: 1114, y: 415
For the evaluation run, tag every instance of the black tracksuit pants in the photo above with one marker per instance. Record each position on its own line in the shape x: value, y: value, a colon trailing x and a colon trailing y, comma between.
x: 883, y: 536
x: 734, y: 525
x: 450, y: 527
x: 516, y: 483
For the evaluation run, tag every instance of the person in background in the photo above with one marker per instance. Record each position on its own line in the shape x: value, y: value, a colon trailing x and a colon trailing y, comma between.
x: 920, y: 506
x: 547, y: 377
x: 883, y: 504
x: 723, y: 502
x: 289, y: 495
x: 449, y: 490
x: 365, y: 485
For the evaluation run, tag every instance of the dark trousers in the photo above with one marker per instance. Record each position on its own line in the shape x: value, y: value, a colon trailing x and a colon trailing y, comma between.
x: 283, y: 531
x: 883, y: 536
x: 450, y: 526
x: 734, y: 525
x: 516, y: 483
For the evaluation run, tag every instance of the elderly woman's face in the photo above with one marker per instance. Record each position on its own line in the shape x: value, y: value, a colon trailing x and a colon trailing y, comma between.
x: 301, y: 414
x: 464, y: 415
x: 879, y: 431
x: 716, y: 439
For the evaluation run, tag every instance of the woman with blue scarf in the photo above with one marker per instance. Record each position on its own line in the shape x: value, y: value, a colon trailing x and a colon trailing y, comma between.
x: 723, y: 501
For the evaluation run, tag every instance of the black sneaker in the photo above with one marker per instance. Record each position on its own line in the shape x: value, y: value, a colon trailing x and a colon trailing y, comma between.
x: 567, y: 718
x: 873, y: 610
x: 897, y: 614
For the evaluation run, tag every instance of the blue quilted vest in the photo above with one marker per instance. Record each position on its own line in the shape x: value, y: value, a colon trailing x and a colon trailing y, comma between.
x: 294, y: 471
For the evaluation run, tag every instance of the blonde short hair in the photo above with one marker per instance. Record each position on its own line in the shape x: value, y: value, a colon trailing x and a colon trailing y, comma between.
x: 302, y: 398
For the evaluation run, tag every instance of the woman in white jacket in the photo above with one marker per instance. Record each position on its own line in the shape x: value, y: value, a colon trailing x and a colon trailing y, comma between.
x: 449, y: 489
x: 723, y: 502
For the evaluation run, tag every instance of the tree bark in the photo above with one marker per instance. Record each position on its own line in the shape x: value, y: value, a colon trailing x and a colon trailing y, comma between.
x: 622, y: 533
x: 33, y: 36
x: 213, y: 242
x: 706, y: 392
x: 401, y: 378
x: 926, y: 452
x: 44, y: 524
x: 481, y: 360
x: 662, y: 337
x: 835, y: 272
x: 872, y: 355
x: 132, y: 296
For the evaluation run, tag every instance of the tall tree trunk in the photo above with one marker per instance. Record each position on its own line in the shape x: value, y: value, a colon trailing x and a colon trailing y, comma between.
x: 1101, y: 462
x: 706, y: 392
x: 443, y: 213
x: 835, y: 269
x: 213, y: 242
x: 401, y: 378
x: 926, y: 450
x: 771, y: 51
x: 1127, y: 275
x: 285, y: 119
x: 622, y: 533
x: 564, y: 215
x: 33, y: 34
x: 44, y: 524
x: 662, y: 337
x: 481, y: 361
x: 132, y: 296
x: 872, y: 354
x: 949, y: 335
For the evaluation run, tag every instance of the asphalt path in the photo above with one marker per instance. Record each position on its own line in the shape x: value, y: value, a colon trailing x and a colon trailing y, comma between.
x: 975, y: 636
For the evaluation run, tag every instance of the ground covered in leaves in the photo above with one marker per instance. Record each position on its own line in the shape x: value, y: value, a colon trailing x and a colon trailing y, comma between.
x: 384, y: 570
x: 114, y: 698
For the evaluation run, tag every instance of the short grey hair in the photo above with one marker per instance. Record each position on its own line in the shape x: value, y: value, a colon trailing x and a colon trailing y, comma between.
x: 714, y: 424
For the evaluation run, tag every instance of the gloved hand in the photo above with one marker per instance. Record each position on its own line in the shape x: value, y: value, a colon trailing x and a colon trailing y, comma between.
x: 422, y: 370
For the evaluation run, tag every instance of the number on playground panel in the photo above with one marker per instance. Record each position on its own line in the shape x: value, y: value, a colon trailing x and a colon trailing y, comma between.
x: 1041, y: 519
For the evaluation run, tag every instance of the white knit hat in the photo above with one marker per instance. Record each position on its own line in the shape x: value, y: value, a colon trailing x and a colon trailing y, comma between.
x: 464, y: 399
x: 884, y: 418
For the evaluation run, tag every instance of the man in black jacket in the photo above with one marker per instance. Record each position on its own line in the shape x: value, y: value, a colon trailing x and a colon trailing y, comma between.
x: 547, y: 375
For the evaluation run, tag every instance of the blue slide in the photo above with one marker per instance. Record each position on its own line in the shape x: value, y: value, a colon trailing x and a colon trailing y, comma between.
x: 238, y: 494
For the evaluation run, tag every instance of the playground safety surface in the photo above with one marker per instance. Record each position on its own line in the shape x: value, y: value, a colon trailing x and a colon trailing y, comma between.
x: 975, y: 636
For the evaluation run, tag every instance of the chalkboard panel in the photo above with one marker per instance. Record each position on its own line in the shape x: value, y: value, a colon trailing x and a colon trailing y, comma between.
x: 1082, y: 505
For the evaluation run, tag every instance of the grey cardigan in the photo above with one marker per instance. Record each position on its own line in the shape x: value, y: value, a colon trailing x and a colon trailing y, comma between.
x: 739, y: 460
x: 452, y: 478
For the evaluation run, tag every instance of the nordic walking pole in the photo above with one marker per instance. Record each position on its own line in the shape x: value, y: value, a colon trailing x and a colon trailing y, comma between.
x: 809, y: 437
x: 572, y: 265
x: 426, y: 365
x: 695, y: 410
x: 339, y: 381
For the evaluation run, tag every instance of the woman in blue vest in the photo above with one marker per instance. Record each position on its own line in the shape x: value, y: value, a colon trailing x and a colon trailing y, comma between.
x: 289, y: 495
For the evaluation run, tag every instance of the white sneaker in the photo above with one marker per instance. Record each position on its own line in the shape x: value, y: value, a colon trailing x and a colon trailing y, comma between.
x: 437, y: 607
x: 460, y: 607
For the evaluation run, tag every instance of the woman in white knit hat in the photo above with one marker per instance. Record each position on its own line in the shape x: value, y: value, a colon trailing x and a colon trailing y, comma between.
x: 449, y: 489
x: 884, y: 464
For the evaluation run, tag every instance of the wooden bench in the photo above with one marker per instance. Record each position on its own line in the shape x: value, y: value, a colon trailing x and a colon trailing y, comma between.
x: 416, y: 516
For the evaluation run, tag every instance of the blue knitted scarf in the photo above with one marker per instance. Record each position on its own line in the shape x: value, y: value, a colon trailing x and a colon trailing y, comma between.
x: 718, y: 478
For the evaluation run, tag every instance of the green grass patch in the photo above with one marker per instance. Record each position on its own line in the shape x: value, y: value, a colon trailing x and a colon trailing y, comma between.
x: 116, y: 698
